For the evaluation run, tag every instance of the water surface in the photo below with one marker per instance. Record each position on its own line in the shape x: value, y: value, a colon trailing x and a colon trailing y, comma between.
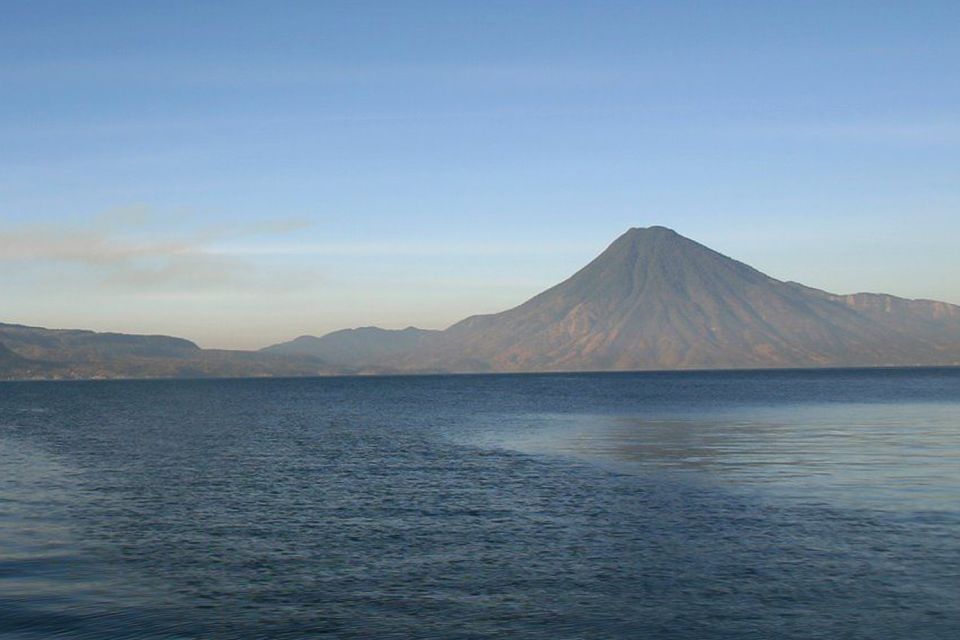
x: 817, y: 504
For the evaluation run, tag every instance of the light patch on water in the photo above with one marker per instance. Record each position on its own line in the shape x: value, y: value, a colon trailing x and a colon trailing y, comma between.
x: 890, y: 457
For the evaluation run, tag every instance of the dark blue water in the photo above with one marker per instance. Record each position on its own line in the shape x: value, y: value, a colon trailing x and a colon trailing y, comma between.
x: 820, y: 504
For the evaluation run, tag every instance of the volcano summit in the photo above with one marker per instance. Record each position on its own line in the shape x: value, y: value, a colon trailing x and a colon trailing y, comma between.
x: 657, y: 300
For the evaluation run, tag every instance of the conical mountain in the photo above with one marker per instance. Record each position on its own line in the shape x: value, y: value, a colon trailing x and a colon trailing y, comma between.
x: 657, y: 300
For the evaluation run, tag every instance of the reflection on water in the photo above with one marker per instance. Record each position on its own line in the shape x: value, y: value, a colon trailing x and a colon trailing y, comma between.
x: 893, y: 456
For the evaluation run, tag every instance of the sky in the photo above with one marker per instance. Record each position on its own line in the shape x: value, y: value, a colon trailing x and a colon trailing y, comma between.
x: 241, y: 173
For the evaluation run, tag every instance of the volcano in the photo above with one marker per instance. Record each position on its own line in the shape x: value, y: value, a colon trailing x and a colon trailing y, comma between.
x: 657, y: 300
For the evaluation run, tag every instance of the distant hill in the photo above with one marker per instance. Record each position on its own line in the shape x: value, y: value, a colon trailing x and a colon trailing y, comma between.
x: 358, y: 347
x: 35, y: 352
x: 657, y: 300
x: 82, y: 346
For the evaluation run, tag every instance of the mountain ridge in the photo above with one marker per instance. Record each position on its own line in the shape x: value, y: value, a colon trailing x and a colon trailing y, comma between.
x: 40, y: 353
x: 653, y: 299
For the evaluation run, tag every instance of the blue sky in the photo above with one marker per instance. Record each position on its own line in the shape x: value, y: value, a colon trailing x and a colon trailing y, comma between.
x: 241, y: 173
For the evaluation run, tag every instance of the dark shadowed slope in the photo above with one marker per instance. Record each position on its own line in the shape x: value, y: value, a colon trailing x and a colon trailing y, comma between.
x: 8, y: 357
x: 12, y: 362
x: 657, y: 300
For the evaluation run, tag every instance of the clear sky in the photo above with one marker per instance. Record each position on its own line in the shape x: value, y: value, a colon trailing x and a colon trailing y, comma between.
x: 241, y: 173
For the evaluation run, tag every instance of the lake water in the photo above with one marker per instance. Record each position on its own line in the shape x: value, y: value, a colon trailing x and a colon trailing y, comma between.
x: 817, y: 504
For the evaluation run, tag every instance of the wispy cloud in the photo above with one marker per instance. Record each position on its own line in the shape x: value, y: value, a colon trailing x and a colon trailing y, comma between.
x: 143, y: 249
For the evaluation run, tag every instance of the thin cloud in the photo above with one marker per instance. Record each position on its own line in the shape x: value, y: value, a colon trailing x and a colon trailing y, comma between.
x: 138, y: 248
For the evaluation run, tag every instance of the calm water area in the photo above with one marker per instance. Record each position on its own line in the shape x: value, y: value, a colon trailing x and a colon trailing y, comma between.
x: 777, y: 504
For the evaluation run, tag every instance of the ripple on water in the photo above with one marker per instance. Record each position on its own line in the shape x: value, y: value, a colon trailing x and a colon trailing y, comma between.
x: 439, y: 507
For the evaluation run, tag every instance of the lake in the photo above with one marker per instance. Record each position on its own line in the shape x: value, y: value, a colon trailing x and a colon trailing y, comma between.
x: 776, y: 504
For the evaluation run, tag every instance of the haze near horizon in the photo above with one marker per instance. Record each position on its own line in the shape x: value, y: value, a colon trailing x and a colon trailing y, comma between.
x: 240, y: 175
